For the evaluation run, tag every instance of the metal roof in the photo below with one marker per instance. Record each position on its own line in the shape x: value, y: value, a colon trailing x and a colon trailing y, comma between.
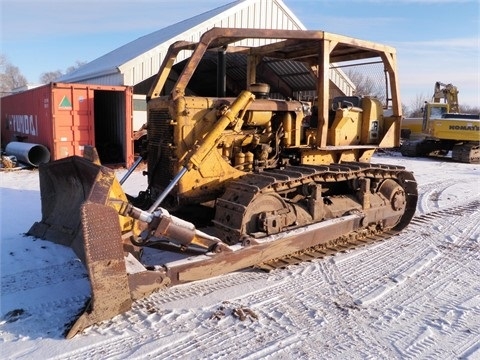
x: 284, y: 77
x: 140, y: 59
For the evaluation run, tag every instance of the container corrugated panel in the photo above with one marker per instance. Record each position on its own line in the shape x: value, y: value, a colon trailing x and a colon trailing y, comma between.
x: 66, y: 117
x: 26, y: 116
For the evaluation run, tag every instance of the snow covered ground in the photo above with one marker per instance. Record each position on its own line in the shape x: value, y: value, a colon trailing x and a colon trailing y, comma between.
x: 414, y: 296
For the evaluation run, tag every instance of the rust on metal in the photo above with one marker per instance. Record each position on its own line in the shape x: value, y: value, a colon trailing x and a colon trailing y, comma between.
x: 234, y: 182
x: 105, y: 265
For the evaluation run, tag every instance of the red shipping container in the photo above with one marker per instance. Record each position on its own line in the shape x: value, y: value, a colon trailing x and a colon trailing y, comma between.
x: 66, y: 117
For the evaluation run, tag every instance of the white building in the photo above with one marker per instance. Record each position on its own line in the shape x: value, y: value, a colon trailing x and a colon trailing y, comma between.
x: 136, y: 63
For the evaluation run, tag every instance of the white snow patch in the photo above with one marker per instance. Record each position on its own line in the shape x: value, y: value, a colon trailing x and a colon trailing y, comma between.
x: 414, y: 304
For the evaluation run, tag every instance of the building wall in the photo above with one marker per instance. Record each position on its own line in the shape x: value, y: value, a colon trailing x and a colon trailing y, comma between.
x: 260, y: 14
x: 265, y: 14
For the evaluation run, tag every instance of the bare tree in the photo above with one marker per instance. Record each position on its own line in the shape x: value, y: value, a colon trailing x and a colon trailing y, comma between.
x: 415, y: 109
x: 365, y: 85
x: 72, y: 68
x: 469, y: 109
x: 50, y: 76
x: 10, y: 77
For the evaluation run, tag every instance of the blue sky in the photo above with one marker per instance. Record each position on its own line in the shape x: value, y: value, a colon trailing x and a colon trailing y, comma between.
x: 436, y: 40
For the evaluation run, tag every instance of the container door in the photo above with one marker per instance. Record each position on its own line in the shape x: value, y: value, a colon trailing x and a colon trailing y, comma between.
x: 72, y: 120
x: 113, y: 130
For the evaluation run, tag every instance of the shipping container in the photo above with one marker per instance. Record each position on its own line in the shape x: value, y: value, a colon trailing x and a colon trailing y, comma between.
x: 66, y: 117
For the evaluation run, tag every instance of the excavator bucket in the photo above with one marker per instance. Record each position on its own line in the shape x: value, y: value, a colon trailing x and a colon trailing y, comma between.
x: 75, y: 193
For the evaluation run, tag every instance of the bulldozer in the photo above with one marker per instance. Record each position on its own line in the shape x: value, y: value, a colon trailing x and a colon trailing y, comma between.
x: 443, y: 129
x: 272, y: 162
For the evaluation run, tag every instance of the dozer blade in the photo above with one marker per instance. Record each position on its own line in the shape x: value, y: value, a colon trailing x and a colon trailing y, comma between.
x: 64, y: 186
x: 105, y: 265
x: 76, y: 197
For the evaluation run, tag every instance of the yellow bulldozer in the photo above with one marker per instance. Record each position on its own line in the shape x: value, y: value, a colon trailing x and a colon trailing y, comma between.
x: 265, y: 160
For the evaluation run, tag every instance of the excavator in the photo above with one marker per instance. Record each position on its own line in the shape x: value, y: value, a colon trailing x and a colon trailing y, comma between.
x: 443, y: 129
x: 262, y: 169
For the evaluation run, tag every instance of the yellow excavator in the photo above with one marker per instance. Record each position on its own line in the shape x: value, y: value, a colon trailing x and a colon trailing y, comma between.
x: 264, y: 162
x: 443, y: 129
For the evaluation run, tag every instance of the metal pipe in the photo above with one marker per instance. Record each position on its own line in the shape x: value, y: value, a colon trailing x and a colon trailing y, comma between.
x: 167, y: 190
x: 28, y: 153
x: 221, y: 73
x: 131, y: 169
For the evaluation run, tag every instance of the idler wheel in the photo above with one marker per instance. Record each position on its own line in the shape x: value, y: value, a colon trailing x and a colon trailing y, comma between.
x: 395, y: 194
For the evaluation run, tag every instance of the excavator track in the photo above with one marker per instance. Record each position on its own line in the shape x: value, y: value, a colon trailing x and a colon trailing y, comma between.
x: 270, y: 192
x: 467, y: 153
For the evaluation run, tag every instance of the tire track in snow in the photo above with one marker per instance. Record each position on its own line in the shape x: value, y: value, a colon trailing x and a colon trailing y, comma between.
x: 428, y: 196
x: 188, y: 331
x: 171, y: 338
x: 436, y: 283
x: 187, y: 324
x: 269, y: 328
x: 278, y: 317
x: 380, y: 261
x: 53, y: 307
x: 440, y: 194
x: 45, y: 276
x: 209, y: 290
x: 47, y: 318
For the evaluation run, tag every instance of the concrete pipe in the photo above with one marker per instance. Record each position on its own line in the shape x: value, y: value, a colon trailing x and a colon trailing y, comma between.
x: 31, y: 154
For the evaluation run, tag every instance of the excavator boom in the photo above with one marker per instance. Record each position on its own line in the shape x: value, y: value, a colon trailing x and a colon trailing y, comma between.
x: 448, y: 93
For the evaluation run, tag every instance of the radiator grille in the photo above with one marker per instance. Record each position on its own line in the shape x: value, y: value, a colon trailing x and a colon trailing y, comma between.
x: 160, y: 155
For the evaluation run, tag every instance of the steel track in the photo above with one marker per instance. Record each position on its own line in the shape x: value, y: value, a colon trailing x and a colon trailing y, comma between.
x: 231, y: 207
x: 360, y: 239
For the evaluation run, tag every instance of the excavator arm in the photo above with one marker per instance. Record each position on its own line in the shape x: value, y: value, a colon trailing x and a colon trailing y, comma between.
x: 448, y: 93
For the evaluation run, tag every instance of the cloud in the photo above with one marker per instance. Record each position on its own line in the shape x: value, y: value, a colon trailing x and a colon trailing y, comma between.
x: 466, y: 43
x: 454, y: 60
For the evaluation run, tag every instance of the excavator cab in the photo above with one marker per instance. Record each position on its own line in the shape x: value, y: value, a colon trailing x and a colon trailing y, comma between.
x: 433, y: 111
